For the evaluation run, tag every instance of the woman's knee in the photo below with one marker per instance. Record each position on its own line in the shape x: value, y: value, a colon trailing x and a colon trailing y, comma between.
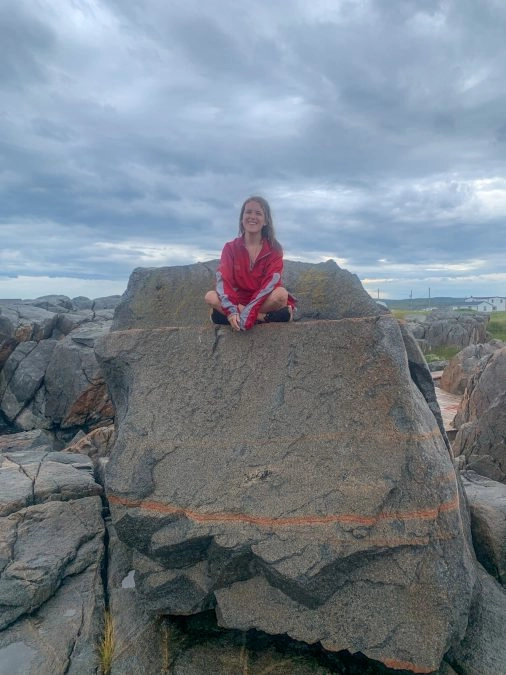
x: 276, y: 300
x: 211, y: 297
x: 280, y: 296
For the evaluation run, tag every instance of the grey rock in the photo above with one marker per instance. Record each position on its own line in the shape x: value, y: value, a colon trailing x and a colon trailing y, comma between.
x: 443, y: 328
x: 20, y: 323
x: 457, y: 373
x: 139, y: 639
x: 107, y: 302
x: 481, y: 418
x: 483, y: 650
x: 298, y: 480
x: 23, y: 375
x: 52, y: 303
x: 61, y: 637
x: 487, y: 501
x: 86, y: 335
x: 69, y: 321
x: 174, y: 296
x: 42, y: 545
x: 434, y: 366
x: 27, y: 440
x: 29, y: 323
x: 75, y: 392
x: 56, y: 384
x: 138, y: 635
x: 82, y: 302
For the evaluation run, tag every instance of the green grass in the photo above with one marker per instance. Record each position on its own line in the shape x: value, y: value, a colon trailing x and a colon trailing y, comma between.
x: 497, y: 326
x: 443, y: 353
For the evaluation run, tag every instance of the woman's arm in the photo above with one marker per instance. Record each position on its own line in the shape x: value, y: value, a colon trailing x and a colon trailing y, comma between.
x: 272, y: 280
x: 225, y: 282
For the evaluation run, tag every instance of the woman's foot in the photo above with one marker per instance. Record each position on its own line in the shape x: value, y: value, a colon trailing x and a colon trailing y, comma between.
x: 282, y: 315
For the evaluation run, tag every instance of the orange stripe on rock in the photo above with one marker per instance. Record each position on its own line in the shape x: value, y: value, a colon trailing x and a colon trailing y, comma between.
x: 224, y: 517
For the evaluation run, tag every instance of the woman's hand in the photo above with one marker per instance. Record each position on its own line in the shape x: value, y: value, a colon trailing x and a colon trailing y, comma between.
x: 233, y: 320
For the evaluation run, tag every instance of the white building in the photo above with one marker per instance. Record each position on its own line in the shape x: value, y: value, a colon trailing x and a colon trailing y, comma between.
x: 487, y: 304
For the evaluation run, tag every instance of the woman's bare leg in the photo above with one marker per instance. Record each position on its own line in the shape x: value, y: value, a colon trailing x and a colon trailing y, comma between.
x: 212, y: 299
x: 276, y: 300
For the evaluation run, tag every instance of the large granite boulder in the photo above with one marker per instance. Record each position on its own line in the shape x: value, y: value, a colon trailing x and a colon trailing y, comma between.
x: 174, y: 296
x: 481, y: 419
x: 295, y: 479
x: 458, y: 372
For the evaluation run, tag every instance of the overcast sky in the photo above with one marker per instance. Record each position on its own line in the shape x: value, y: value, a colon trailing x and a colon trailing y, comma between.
x: 131, y: 132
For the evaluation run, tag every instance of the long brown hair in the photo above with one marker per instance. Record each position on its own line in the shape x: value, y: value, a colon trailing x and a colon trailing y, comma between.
x: 268, y: 228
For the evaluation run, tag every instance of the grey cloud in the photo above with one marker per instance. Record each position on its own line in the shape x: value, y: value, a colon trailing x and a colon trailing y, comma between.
x: 149, y: 124
x: 26, y: 41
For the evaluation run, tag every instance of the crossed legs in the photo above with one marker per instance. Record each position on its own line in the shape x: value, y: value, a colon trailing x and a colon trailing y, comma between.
x: 276, y: 300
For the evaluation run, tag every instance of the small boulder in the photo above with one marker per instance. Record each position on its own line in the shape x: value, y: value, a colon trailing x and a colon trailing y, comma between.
x: 481, y: 418
x: 487, y: 501
x: 457, y: 373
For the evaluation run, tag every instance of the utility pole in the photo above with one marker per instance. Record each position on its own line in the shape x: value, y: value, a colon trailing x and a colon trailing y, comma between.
x: 429, y: 297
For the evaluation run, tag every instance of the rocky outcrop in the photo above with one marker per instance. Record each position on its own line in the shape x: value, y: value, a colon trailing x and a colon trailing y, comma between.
x: 174, y: 296
x: 481, y: 419
x: 22, y: 323
x: 297, y: 482
x: 441, y: 328
x: 483, y: 650
x: 487, y: 502
x: 458, y: 372
x: 51, y: 379
x: 51, y: 552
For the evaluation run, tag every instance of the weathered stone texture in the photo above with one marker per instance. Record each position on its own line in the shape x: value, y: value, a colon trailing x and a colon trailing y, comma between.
x: 483, y: 650
x: 457, y: 374
x: 60, y: 638
x: 40, y: 546
x: 295, y: 478
x: 174, y: 296
x: 487, y: 502
x: 440, y: 328
x: 481, y: 419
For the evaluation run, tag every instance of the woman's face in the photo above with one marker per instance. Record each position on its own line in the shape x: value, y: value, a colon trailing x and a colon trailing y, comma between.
x: 253, y: 218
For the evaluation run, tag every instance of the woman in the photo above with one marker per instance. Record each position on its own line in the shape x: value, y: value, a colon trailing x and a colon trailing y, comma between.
x: 248, y: 279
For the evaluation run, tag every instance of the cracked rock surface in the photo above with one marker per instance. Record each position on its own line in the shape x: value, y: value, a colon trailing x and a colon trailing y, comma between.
x: 481, y: 418
x: 294, y: 478
x: 51, y: 553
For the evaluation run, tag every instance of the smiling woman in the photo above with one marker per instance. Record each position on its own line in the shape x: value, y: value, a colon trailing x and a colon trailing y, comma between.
x: 248, y: 279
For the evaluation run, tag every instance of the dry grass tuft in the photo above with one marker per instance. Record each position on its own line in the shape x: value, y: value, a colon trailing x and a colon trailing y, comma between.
x: 107, y: 644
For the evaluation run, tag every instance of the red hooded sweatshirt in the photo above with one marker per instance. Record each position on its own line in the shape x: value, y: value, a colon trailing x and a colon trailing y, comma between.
x: 240, y: 282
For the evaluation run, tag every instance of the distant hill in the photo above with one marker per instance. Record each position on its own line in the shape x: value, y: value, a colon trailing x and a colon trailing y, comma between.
x: 423, y: 303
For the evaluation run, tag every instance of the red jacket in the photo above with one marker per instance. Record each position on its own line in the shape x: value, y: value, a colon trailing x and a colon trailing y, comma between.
x: 239, y: 282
